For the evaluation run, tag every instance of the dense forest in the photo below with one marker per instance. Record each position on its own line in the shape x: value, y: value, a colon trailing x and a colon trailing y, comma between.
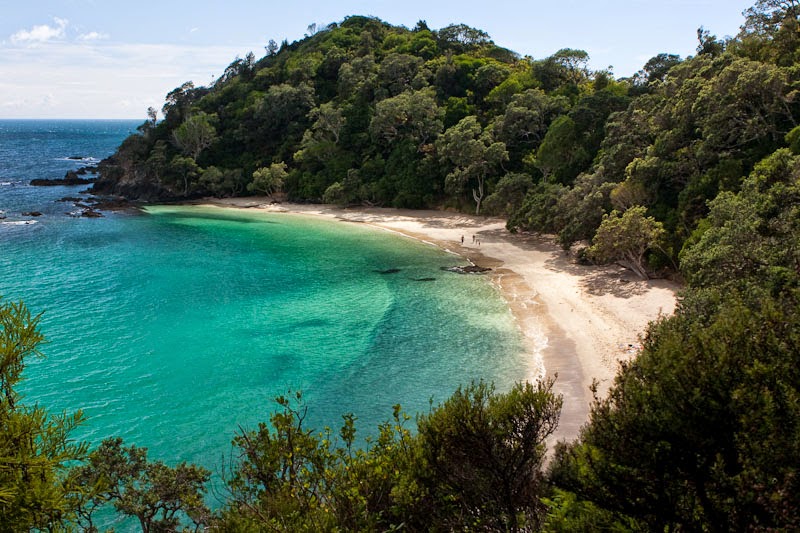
x: 692, y: 164
x: 362, y: 112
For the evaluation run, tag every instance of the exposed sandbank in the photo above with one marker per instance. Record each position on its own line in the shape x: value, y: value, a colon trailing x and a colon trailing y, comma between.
x: 583, y: 320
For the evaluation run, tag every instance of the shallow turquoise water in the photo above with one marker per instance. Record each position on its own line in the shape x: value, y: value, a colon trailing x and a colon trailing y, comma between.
x: 175, y: 328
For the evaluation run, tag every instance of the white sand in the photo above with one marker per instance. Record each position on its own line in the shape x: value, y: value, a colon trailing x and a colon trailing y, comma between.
x: 581, y: 320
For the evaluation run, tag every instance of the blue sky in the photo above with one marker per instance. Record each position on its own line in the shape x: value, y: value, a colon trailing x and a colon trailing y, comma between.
x: 114, y: 59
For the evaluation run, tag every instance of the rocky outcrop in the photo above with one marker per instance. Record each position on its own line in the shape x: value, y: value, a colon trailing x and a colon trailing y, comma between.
x: 67, y: 181
x: 118, y: 181
x: 71, y: 178
x: 92, y: 206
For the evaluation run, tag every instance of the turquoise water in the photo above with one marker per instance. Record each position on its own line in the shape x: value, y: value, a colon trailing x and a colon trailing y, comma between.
x: 174, y: 328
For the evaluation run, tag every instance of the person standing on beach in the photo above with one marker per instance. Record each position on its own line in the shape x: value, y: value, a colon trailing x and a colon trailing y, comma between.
x: 462, y: 239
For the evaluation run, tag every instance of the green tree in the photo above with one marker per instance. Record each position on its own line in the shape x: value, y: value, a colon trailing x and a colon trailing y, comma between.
x: 185, y: 170
x: 156, y: 163
x: 36, y: 448
x: 195, y: 134
x: 751, y: 238
x: 700, y: 431
x: 625, y: 238
x: 538, y: 211
x: 474, y: 155
x: 268, y: 180
x: 484, y: 453
x: 157, y: 495
x: 526, y: 119
x: 561, y: 155
x: 412, y: 116
x: 509, y: 193
x: 657, y: 68
x: 460, y: 37
x: 222, y: 182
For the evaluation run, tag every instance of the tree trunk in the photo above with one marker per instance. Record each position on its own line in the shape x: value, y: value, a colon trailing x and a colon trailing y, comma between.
x: 478, y: 196
x: 635, y: 262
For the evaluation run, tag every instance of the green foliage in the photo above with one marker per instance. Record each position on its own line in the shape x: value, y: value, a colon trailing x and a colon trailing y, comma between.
x: 689, y: 438
x: 195, y: 134
x: 508, y: 195
x: 411, y: 115
x: 268, y: 180
x: 287, y: 477
x: 375, y: 99
x: 222, y: 182
x: 793, y: 140
x: 538, y: 210
x: 526, y: 121
x: 561, y: 157
x: 752, y: 237
x: 625, y: 238
x: 182, y: 172
x: 484, y: 452
x: 157, y: 495
x: 36, y: 448
x: 475, y: 156
x: 566, y: 514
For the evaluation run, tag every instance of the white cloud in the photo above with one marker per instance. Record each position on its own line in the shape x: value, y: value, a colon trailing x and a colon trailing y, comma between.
x: 42, y: 33
x: 92, y: 36
x: 99, y: 78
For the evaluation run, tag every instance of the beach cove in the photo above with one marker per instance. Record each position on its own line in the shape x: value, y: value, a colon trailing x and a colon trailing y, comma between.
x: 581, y: 321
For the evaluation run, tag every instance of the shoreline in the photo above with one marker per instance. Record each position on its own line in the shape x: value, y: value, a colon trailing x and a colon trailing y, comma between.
x: 582, y: 320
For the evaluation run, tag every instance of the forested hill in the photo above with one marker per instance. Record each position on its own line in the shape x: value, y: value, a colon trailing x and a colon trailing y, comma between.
x: 364, y: 112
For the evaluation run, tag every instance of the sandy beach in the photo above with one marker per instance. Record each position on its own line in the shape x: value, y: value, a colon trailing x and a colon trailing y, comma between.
x: 581, y: 321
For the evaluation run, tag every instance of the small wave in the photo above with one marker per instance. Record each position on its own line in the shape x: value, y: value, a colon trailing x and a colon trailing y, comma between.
x: 85, y: 160
x: 18, y: 222
x: 5, y: 183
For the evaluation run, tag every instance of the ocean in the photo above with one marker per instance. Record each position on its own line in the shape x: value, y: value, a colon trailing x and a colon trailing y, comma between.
x: 175, y: 328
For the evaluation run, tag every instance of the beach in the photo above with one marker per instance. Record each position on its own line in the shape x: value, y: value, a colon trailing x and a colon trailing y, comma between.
x: 581, y: 321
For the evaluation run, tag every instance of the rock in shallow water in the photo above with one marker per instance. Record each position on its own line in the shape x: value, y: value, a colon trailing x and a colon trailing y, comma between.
x: 469, y: 269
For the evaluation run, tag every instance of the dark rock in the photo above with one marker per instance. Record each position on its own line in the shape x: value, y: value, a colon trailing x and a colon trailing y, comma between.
x: 91, y: 213
x: 469, y: 269
x: 423, y: 279
x: 70, y: 199
x: 70, y: 180
x: 112, y: 203
x: 81, y: 171
x: 32, y: 214
x: 388, y: 271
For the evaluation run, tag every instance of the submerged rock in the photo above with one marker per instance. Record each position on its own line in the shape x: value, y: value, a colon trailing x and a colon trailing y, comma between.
x: 388, y: 271
x: 423, y: 279
x: 469, y: 269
